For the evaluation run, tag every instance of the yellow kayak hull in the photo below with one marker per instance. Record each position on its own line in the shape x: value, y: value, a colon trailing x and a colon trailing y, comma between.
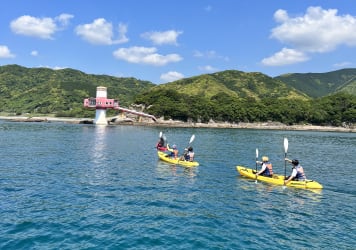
x: 164, y: 157
x: 277, y: 179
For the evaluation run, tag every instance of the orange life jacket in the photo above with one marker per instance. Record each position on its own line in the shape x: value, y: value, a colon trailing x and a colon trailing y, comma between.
x: 268, y: 171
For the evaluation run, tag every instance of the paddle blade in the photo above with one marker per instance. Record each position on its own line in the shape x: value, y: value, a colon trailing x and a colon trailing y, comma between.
x: 285, y: 145
x: 191, y: 139
x: 256, y: 153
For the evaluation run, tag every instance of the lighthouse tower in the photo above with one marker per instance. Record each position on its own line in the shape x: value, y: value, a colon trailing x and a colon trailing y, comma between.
x: 101, y: 103
x: 100, y: 114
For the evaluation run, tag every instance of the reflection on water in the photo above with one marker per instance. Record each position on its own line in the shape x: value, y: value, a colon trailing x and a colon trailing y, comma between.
x: 266, y: 189
x: 166, y: 169
x: 97, y: 157
x: 97, y: 147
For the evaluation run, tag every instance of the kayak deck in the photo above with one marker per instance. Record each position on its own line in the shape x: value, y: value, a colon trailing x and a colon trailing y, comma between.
x: 277, y: 179
x: 165, y: 157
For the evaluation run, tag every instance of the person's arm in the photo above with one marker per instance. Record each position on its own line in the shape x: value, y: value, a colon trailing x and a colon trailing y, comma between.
x: 294, y: 174
x: 289, y: 160
x: 169, y: 149
x: 288, y: 180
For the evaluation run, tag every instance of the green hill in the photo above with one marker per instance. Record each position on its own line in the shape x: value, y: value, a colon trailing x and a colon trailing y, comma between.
x: 234, y: 83
x: 322, y: 84
x: 227, y: 96
x: 48, y: 91
x: 235, y: 96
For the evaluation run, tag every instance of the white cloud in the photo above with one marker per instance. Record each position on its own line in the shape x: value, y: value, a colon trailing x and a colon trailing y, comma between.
x: 342, y: 65
x: 34, y: 53
x: 145, y: 55
x: 208, y: 68
x: 284, y: 57
x: 281, y: 16
x: 318, y: 30
x: 64, y: 19
x: 5, y: 52
x: 166, y: 37
x: 210, y: 54
x: 101, y: 32
x: 171, y: 76
x: 52, y: 67
x: 43, y: 28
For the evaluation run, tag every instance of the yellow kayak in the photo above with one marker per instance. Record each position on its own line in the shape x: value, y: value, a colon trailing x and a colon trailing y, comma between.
x: 277, y: 179
x: 164, y: 157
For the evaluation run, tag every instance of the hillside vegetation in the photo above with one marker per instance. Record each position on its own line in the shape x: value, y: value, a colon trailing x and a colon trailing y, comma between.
x: 227, y: 96
x: 235, y: 96
x: 60, y: 92
x: 321, y: 84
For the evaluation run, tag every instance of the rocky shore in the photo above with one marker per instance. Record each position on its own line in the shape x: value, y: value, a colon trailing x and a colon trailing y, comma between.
x: 171, y: 123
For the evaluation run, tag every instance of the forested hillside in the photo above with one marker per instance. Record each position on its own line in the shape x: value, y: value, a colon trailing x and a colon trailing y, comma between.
x: 199, y: 100
x: 60, y: 92
x: 227, y: 96
x: 322, y: 84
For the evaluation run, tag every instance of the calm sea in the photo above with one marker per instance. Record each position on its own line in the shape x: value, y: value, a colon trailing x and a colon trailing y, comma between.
x: 66, y: 186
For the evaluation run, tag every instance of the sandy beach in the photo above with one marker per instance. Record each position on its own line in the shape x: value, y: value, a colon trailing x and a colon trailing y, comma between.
x: 171, y: 123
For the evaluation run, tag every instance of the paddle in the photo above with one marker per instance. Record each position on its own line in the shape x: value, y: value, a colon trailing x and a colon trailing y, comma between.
x: 256, y: 158
x: 190, y: 141
x: 285, y: 156
x: 256, y: 162
x: 160, y: 136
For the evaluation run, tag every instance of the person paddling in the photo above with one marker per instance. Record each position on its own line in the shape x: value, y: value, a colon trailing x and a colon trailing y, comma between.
x: 173, y: 150
x: 266, y: 167
x: 189, y: 154
x: 162, y: 143
x: 297, y: 172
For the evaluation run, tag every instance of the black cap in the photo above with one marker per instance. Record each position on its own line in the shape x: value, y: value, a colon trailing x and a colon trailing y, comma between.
x: 295, y: 162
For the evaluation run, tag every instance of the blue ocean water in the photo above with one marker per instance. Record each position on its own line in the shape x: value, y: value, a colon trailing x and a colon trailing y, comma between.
x: 67, y: 186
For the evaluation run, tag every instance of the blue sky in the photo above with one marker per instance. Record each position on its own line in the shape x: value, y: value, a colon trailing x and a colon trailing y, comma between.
x: 165, y: 40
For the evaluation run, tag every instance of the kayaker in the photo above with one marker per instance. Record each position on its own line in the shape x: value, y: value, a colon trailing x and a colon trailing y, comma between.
x: 161, y: 144
x: 189, y: 154
x: 173, y: 150
x: 297, y: 172
x: 266, y: 167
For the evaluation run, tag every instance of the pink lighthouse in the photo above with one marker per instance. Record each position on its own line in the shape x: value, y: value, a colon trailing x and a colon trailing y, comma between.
x: 101, y: 103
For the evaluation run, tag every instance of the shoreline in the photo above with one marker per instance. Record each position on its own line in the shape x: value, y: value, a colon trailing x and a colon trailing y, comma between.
x: 179, y: 124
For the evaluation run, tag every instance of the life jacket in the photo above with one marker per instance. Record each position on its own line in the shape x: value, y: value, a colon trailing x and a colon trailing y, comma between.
x: 300, y: 173
x: 268, y: 171
x: 189, y: 156
x: 160, y: 147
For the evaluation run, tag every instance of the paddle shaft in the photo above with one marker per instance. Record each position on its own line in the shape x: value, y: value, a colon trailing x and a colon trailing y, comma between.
x: 285, y: 166
x: 256, y: 158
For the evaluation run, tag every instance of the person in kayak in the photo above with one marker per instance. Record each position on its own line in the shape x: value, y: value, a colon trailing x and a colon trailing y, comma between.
x: 297, y: 172
x: 161, y: 144
x: 173, y: 150
x: 189, y: 154
x: 266, y: 167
